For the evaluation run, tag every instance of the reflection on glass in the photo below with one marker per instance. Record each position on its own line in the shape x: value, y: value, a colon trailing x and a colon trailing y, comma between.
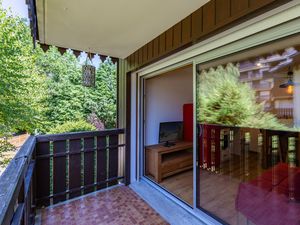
x: 248, y: 150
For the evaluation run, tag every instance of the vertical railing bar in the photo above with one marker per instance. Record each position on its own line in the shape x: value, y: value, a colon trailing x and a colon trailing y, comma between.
x: 95, y: 163
x: 107, y: 157
x: 67, y: 167
x: 82, y: 165
x: 51, y: 170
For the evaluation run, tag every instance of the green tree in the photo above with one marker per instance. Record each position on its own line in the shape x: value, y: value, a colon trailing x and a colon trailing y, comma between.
x: 67, y: 100
x: 223, y: 99
x: 20, y: 98
x: 103, y: 98
x: 64, y: 92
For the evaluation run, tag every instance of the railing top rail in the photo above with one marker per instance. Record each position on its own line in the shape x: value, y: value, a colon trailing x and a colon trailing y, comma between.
x: 78, y: 135
x: 11, y: 179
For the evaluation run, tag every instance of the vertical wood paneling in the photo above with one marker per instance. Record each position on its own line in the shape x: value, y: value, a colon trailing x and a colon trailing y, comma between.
x: 140, y: 52
x: 89, y: 163
x: 145, y: 53
x: 136, y: 59
x: 259, y: 3
x: 150, y: 50
x: 177, y: 35
x: 75, y: 146
x: 197, y: 24
x: 162, y: 43
x: 131, y: 61
x: 101, y: 162
x: 222, y: 11
x: 207, y: 19
x: 169, y: 39
x: 113, y: 158
x: 43, y: 173
x: 156, y: 47
x: 59, y: 171
x: 209, y: 16
x: 186, y: 30
x: 239, y: 6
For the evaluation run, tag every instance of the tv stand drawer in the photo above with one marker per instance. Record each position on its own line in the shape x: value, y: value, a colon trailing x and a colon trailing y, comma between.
x: 164, y: 161
x: 177, y: 165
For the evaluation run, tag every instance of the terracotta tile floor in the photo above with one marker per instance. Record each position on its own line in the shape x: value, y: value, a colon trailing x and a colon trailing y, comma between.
x: 117, y: 206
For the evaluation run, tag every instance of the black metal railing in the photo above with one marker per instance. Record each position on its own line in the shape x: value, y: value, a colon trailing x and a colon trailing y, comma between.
x: 53, y: 168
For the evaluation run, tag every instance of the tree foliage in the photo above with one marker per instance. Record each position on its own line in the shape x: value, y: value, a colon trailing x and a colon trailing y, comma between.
x: 103, y: 99
x: 21, y: 88
x: 223, y: 99
x: 67, y: 99
x: 64, y: 92
x: 42, y: 90
x: 72, y: 126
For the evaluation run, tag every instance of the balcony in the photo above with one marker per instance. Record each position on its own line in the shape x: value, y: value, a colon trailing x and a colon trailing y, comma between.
x: 51, y: 169
x: 263, y: 87
x: 284, y: 113
x: 251, y: 77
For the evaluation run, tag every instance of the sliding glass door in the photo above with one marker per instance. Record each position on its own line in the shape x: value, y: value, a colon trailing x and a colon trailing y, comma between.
x: 248, y: 149
x: 167, y: 126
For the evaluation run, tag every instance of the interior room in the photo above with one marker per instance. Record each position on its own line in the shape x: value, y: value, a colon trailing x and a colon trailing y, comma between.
x: 168, y: 131
x: 249, y: 153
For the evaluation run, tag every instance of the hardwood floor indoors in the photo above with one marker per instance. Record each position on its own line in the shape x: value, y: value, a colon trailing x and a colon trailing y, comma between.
x: 218, y: 189
x: 180, y: 185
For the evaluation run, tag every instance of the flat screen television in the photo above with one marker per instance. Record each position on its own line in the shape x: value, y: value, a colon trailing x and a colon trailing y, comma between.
x: 170, y: 132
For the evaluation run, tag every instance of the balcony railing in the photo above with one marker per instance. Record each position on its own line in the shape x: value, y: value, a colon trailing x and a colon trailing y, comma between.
x: 264, y: 86
x: 251, y: 77
x: 53, y: 168
x: 284, y: 113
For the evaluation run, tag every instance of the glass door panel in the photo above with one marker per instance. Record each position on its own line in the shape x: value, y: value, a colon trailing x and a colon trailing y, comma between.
x: 248, y: 150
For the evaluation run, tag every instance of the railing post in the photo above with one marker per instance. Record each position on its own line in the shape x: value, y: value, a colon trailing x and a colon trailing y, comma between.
x: 127, y: 158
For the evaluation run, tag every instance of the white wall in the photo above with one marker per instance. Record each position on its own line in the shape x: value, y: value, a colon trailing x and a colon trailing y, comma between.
x: 165, y: 96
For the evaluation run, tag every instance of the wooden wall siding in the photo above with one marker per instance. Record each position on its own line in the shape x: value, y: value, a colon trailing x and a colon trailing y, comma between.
x: 257, y: 3
x: 239, y: 6
x: 150, y: 50
x: 156, y: 47
x: 135, y: 64
x: 207, y: 20
x: 177, y: 35
x: 140, y: 52
x: 223, y: 10
x: 145, y: 53
x: 186, y: 30
x: 209, y: 16
x: 169, y: 39
x: 162, y: 44
x: 197, y: 24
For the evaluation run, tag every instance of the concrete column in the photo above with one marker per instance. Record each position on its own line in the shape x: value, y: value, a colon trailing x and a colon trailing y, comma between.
x: 296, y: 103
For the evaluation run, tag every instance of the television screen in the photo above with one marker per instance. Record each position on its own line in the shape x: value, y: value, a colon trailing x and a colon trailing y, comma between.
x: 170, y: 131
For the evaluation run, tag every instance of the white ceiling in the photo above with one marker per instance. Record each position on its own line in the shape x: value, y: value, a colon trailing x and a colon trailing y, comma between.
x: 113, y: 27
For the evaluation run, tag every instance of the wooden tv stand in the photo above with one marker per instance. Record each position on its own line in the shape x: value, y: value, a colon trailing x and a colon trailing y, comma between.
x: 162, y: 161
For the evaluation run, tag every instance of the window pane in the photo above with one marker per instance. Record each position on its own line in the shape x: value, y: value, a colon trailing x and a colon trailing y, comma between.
x: 248, y: 118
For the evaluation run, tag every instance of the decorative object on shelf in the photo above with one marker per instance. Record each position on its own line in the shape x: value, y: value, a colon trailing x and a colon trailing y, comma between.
x: 88, y: 73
